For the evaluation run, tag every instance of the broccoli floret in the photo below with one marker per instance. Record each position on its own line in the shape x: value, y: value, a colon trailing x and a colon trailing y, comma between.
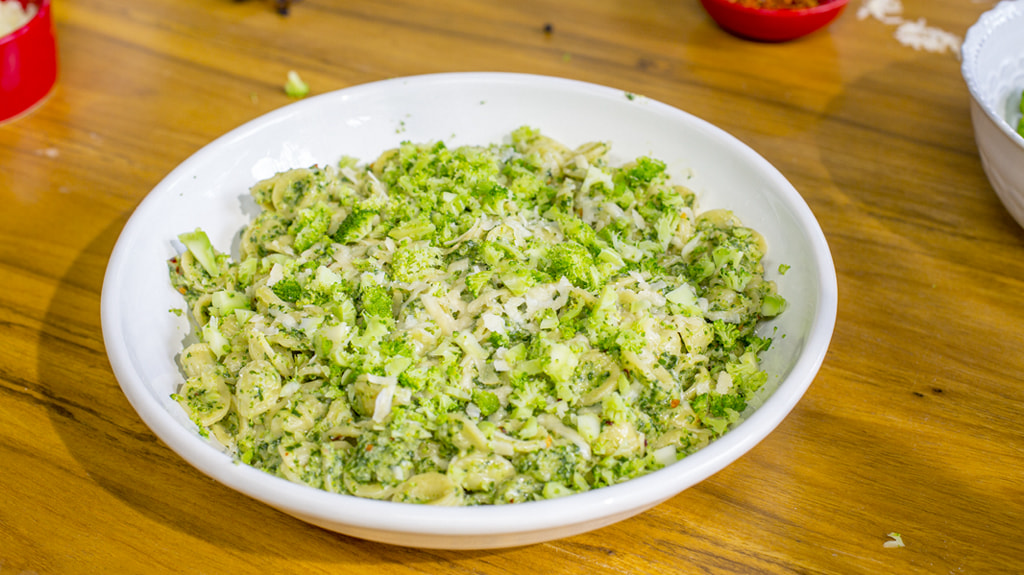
x: 735, y: 278
x: 199, y: 244
x: 665, y: 229
x: 523, y: 136
x: 528, y: 395
x: 493, y: 196
x: 288, y: 289
x: 572, y: 261
x: 601, y: 325
x: 418, y: 378
x: 375, y: 300
x: 746, y: 373
x: 700, y: 269
x: 398, y: 346
x: 726, y: 333
x: 631, y: 338
x: 413, y: 262
x: 577, y: 230
x: 476, y: 282
x: 612, y: 470
x: 496, y: 340
x: 519, y: 278
x: 310, y: 226
x: 642, y: 173
x: 615, y: 409
x: 487, y: 401
x: 714, y: 405
x: 496, y: 253
x: 356, y: 225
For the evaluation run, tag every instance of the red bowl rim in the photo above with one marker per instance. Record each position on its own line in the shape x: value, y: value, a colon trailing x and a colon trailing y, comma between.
x: 42, y: 5
x: 824, y: 6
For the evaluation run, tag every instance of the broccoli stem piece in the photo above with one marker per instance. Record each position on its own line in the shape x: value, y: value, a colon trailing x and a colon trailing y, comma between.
x: 199, y: 244
x: 295, y: 87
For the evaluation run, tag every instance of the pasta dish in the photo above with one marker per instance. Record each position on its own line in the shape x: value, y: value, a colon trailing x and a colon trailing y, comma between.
x: 474, y: 325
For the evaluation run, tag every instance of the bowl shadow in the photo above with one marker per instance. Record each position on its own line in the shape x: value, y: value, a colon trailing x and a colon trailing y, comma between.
x: 119, y: 454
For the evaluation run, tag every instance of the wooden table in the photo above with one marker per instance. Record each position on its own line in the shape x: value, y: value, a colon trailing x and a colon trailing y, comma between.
x: 913, y: 425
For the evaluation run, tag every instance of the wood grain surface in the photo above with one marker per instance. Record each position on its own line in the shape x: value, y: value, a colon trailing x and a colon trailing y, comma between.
x: 913, y: 425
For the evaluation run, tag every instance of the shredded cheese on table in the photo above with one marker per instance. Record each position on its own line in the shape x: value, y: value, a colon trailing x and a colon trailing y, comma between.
x: 916, y: 34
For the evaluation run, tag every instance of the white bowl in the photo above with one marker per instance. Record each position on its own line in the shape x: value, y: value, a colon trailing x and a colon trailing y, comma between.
x: 993, y: 67
x: 210, y: 190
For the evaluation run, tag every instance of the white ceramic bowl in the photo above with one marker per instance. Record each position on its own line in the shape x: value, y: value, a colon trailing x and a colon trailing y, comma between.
x: 210, y: 190
x: 993, y: 67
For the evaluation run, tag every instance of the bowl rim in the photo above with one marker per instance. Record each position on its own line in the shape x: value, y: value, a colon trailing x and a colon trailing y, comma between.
x: 824, y: 7
x: 1006, y: 11
x: 621, y: 499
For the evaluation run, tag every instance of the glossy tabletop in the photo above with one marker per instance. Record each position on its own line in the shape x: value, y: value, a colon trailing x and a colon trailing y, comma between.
x: 914, y: 425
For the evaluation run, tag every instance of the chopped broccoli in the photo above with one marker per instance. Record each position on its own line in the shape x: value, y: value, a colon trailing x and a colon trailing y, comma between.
x: 356, y: 225
x: 772, y: 305
x: 559, y: 362
x: 414, y: 262
x: 383, y: 457
x: 487, y: 401
x: 615, y: 409
x: 717, y: 405
x: 294, y: 86
x: 572, y: 261
x: 310, y: 226
x: 288, y: 289
x: 414, y: 229
x: 726, y: 333
x: 557, y: 463
x: 375, y: 300
x: 397, y: 346
x: 577, y: 230
x: 746, y: 373
x: 224, y: 302
x: 641, y: 174
x: 528, y: 395
x: 199, y: 244
x: 476, y: 282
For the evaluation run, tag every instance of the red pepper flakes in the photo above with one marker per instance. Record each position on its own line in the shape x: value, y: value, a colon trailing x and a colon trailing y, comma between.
x: 674, y: 404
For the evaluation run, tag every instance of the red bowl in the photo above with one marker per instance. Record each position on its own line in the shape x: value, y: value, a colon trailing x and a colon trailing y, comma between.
x: 772, y: 25
x: 28, y: 63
